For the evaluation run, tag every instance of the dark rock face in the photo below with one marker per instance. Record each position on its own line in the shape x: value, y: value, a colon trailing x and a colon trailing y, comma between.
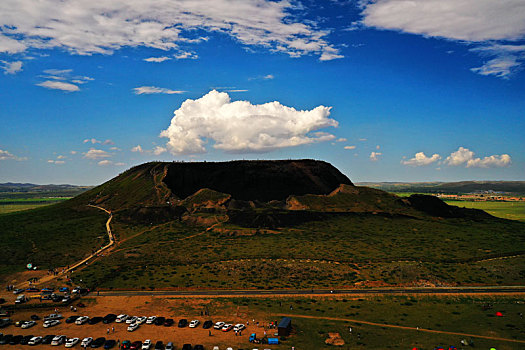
x: 255, y: 180
x: 436, y: 207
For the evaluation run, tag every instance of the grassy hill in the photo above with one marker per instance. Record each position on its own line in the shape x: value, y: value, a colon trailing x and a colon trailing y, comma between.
x: 264, y: 233
x: 515, y: 187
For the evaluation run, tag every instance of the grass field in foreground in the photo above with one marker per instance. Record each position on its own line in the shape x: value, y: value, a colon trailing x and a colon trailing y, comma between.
x: 468, y: 315
x: 505, y: 210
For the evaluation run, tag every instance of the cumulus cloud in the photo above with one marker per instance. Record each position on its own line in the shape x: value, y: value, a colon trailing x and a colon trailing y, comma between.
x: 349, y: 147
x: 242, y: 127
x: 137, y: 148
x: 341, y: 139
x: 466, y: 21
x: 159, y: 150
x: 466, y: 156
x: 6, y: 155
x: 183, y: 55
x: 86, y: 27
x: 374, y: 156
x: 420, y: 159
x: 58, y: 85
x: 141, y: 90
x: 11, y: 67
x: 59, y: 162
x: 94, y: 153
x: 105, y: 162
x: 157, y: 59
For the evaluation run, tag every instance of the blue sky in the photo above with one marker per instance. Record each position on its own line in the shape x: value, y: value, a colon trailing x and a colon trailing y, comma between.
x: 386, y: 91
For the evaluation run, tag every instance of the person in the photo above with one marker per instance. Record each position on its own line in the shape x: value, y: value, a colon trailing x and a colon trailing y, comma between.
x: 209, y: 333
x: 107, y: 332
x: 112, y: 329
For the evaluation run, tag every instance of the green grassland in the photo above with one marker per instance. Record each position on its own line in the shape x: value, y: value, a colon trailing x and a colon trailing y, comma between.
x: 50, y: 236
x: 468, y: 315
x: 336, y: 252
x: 506, y: 210
x: 11, y: 205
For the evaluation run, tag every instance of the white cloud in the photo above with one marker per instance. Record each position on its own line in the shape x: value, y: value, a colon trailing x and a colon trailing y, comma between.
x: 466, y: 21
x: 86, y: 27
x: 157, y: 59
x: 73, y: 152
x: 155, y: 90
x: 466, y: 156
x: 105, y: 162
x: 137, y: 148
x: 94, y: 153
x: 108, y: 142
x: 92, y: 140
x: 11, y: 67
x: 58, y: 85
x: 378, y: 147
x: 362, y: 140
x: 498, y: 161
x: 341, y: 139
x: 61, y: 157
x: 186, y: 55
x: 504, y: 59
x: 241, y: 127
x: 6, y: 155
x: 349, y: 147
x: 374, y: 156
x: 268, y: 77
x: 237, y: 90
x: 120, y: 164
x: 115, y: 149
x: 420, y: 159
x: 59, y: 162
x: 461, y: 156
x: 159, y: 150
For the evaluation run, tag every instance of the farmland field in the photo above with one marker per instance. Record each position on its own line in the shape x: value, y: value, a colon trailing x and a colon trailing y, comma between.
x: 8, y: 205
x: 505, y: 210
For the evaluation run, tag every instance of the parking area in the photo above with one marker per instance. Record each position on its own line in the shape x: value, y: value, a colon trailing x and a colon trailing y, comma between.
x: 146, y: 306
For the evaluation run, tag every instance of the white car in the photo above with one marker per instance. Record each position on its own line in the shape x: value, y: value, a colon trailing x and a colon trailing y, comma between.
x: 146, y: 345
x: 86, y: 342
x: 71, y: 342
x: 51, y: 323
x: 151, y: 319
x: 58, y: 340
x: 227, y: 327
x: 28, y: 324
x: 238, y: 327
x: 194, y: 323
x: 218, y: 325
x: 121, y: 318
x: 132, y: 327
x: 34, y: 341
x: 169, y: 346
x: 141, y: 320
x: 132, y: 320
x: 81, y: 320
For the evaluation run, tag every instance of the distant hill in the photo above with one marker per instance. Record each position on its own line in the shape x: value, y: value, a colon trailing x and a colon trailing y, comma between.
x: 10, y: 190
x: 514, y: 187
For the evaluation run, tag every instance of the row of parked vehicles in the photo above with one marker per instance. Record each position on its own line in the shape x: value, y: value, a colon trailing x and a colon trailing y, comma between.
x: 56, y: 340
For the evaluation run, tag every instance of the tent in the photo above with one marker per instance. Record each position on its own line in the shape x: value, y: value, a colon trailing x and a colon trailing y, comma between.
x: 499, y: 314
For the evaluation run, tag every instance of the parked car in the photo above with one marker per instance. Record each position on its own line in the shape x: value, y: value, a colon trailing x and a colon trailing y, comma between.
x: 16, y: 340
x: 169, y: 322
x: 72, y: 319
x: 81, y: 320
x: 133, y: 327
x: 169, y: 346
x: 34, y: 341
x: 131, y: 320
x: 159, y: 345
x: 53, y: 317
x: 47, y: 290
x: 25, y: 340
x: 151, y: 319
x: 227, y: 327
x: 136, y: 345
x: 182, y: 323
x: 126, y: 344
x: 32, y: 290
x: 35, y: 317
x: 18, y: 291
x: 95, y: 320
x: 58, y: 340
x: 110, y: 344
x: 50, y: 323
x: 97, y: 343
x: 141, y: 320
x: 121, y: 318
x: 218, y: 325
x: 194, y: 323
x: 28, y: 324
x: 109, y: 318
x: 207, y: 324
x: 6, y: 339
x: 71, y: 342
x: 198, y: 347
x: 48, y: 339
x: 21, y: 299
x: 56, y: 298
x: 146, y: 345
x: 86, y: 342
x: 239, y: 327
x: 187, y: 347
x: 63, y: 289
x: 66, y: 299
x: 159, y: 321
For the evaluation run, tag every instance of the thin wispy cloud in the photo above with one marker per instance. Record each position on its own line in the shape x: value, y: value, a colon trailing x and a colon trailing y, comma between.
x: 12, y: 67
x: 59, y: 85
x: 148, y: 90
x: 62, y: 79
x: 6, y: 155
x: 157, y: 59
